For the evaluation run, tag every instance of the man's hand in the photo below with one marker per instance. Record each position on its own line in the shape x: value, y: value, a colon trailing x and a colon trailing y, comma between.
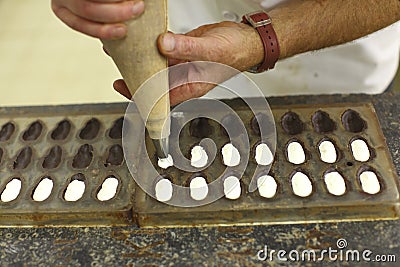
x: 234, y: 44
x: 98, y: 18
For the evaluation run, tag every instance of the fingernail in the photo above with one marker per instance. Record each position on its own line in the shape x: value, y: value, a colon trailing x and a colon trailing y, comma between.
x: 138, y: 8
x: 168, y: 42
x: 118, y: 32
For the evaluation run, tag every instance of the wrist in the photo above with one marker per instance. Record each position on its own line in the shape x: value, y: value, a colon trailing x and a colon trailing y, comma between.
x: 262, y: 23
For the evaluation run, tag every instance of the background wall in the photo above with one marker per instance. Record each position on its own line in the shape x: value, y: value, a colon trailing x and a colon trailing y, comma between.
x: 42, y: 61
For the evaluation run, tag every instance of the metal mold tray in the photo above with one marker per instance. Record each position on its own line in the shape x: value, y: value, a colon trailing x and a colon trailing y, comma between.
x: 286, y: 207
x: 88, y: 210
x: 132, y: 206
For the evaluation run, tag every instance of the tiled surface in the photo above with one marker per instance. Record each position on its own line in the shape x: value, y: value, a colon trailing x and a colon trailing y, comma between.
x: 45, y: 62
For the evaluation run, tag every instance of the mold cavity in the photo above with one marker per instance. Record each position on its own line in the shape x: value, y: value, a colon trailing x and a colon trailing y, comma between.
x: 370, y: 183
x: 232, y: 188
x: 335, y: 183
x: 360, y: 150
x: 301, y: 185
x: 260, y: 119
x: 6, y: 131
x: 353, y: 122
x: 115, y: 156
x: 84, y: 157
x: 61, y: 131
x: 116, y: 129
x: 327, y: 151
x: 267, y: 186
x: 200, y: 128
x: 53, y: 159
x: 33, y: 132
x: 108, y: 189
x: 23, y: 159
x: 166, y: 163
x: 12, y: 190
x: 198, y: 188
x: 199, y: 157
x: 76, y: 188
x: 292, y: 124
x: 43, y: 190
x: 164, y: 190
x: 322, y: 122
x: 90, y: 130
x: 295, y: 153
x: 264, y: 155
x: 233, y: 122
x: 230, y: 155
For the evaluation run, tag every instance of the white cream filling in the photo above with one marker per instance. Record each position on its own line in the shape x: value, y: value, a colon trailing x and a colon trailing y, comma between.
x: 264, y: 155
x: 11, y: 191
x: 164, y: 190
x: 43, y: 190
x: 327, y: 152
x: 295, y: 153
x: 108, y: 189
x: 267, y: 186
x: 370, y: 183
x: 166, y: 163
x: 74, y: 191
x: 335, y: 183
x: 199, y: 157
x: 198, y: 188
x: 230, y: 155
x: 232, y: 188
x: 360, y: 150
x: 301, y: 185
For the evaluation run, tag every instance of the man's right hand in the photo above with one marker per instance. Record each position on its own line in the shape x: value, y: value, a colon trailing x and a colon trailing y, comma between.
x: 98, y: 18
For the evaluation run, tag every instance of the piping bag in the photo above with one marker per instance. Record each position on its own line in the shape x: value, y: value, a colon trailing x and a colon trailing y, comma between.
x: 138, y: 59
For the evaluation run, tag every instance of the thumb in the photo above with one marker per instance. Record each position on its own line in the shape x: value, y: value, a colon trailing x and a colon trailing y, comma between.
x: 183, y: 47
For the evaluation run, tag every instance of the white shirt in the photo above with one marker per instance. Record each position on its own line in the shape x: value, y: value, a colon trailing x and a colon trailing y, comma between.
x: 366, y: 65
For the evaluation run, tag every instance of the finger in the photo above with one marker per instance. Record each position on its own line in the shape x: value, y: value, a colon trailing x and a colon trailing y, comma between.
x: 188, y: 91
x: 120, y: 87
x: 183, y: 47
x: 98, y: 30
x: 106, y: 12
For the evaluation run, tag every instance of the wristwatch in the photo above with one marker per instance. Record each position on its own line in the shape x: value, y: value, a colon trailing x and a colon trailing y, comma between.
x: 263, y: 24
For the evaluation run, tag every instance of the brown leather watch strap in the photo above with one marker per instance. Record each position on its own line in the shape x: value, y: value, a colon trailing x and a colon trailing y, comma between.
x: 262, y: 23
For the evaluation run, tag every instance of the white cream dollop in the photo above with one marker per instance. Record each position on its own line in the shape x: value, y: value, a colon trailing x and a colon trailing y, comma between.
x: 198, y: 188
x: 264, y: 155
x: 108, y: 189
x: 230, y: 155
x: 164, y: 190
x: 360, y: 150
x: 301, y: 185
x: 327, y: 151
x: 370, y: 183
x: 267, y: 186
x: 43, y: 190
x: 199, y: 157
x: 232, y: 188
x: 335, y: 183
x: 295, y: 153
x: 12, y: 190
x: 166, y: 163
x: 74, y: 191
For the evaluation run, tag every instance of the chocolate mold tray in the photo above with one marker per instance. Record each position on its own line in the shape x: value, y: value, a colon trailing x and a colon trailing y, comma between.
x: 308, y: 125
x: 63, y: 144
x: 68, y: 143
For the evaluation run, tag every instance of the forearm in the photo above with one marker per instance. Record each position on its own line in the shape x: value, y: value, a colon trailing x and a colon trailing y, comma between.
x: 308, y: 25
